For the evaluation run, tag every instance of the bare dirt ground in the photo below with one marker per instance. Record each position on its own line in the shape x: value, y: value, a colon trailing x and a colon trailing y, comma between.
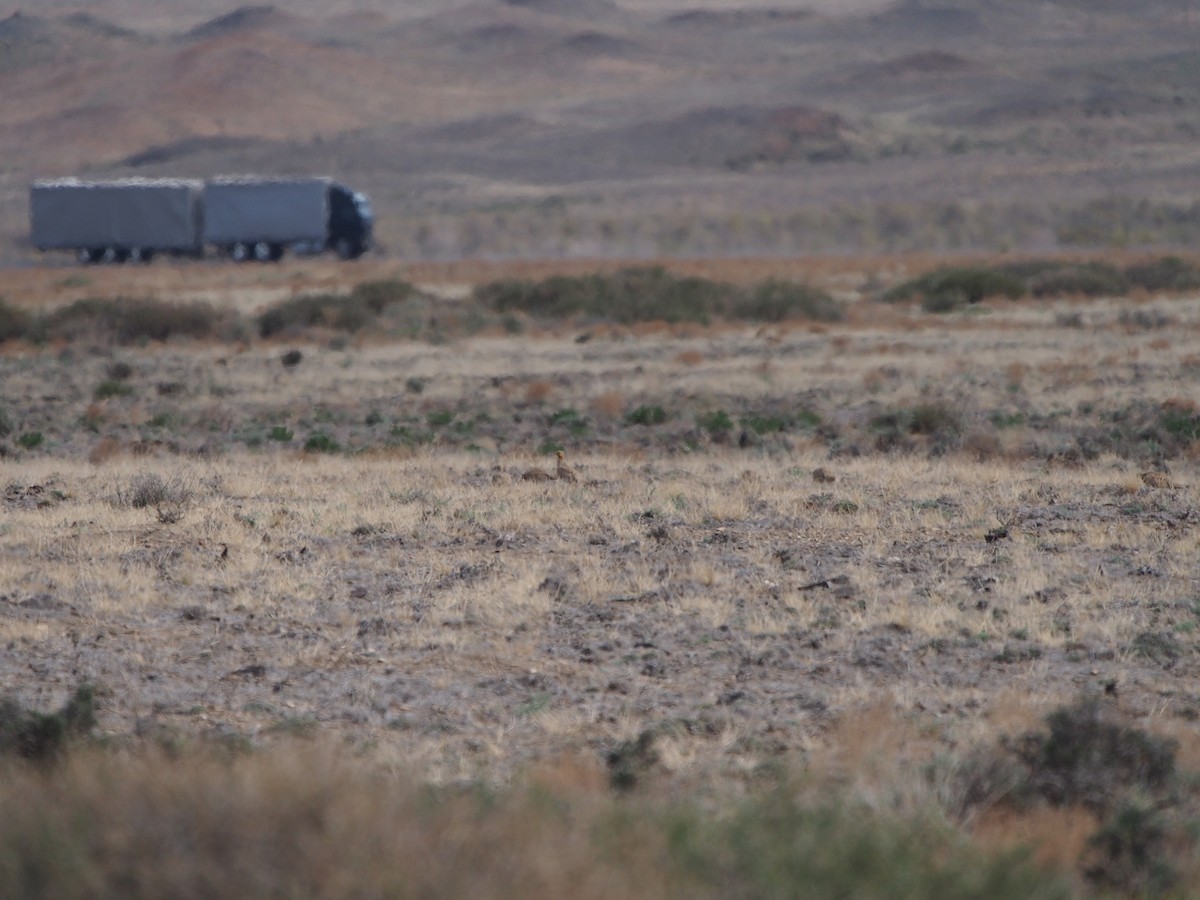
x: 947, y: 523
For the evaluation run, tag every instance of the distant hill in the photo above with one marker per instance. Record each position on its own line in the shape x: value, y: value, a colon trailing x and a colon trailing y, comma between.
x: 597, y: 126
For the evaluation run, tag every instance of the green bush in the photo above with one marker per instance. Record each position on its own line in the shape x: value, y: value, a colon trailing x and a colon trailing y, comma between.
x: 378, y: 295
x: 646, y: 415
x: 14, y: 322
x: 1092, y: 279
x: 43, y: 736
x: 280, y: 433
x: 320, y: 442
x: 30, y: 440
x: 130, y: 320
x: 952, y: 287
x: 336, y: 311
x: 777, y: 301
x: 631, y: 295
x: 1168, y: 273
x: 716, y: 421
x: 111, y: 387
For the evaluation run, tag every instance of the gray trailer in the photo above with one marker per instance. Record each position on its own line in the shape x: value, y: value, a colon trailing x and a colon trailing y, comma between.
x: 261, y: 217
x: 112, y: 221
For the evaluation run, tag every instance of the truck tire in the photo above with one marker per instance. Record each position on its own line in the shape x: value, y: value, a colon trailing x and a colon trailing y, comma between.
x: 263, y: 252
x: 239, y: 252
x: 87, y: 255
x: 114, y: 255
x: 140, y: 254
x: 347, y: 248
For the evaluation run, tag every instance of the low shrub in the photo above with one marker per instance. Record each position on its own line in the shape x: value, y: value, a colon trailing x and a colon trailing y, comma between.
x: 646, y: 415
x: 14, y: 322
x: 1168, y: 273
x: 128, y: 320
x: 777, y: 301
x: 43, y: 736
x: 631, y: 295
x: 320, y: 442
x: 950, y: 288
x: 1093, y: 279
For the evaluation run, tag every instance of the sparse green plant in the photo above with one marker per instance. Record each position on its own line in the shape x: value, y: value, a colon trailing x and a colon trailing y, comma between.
x: 280, y: 433
x: 128, y: 320
x: 715, y: 422
x: 775, y: 301
x: 14, y: 322
x: 763, y: 423
x: 30, y: 440
x: 44, y: 736
x: 646, y: 414
x: 952, y: 287
x: 320, y: 442
x: 111, y: 388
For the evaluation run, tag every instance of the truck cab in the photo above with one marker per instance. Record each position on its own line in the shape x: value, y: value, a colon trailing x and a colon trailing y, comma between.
x: 351, y: 222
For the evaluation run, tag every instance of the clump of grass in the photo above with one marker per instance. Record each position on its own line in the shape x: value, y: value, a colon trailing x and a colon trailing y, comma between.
x: 654, y: 294
x: 320, y: 442
x: 646, y: 414
x: 776, y: 301
x: 1168, y: 273
x: 169, y: 497
x: 352, y: 312
x: 14, y: 321
x: 1092, y: 279
x: 631, y: 295
x: 953, y: 287
x: 715, y: 421
x: 130, y: 320
x: 111, y: 387
x: 30, y: 440
x: 44, y: 736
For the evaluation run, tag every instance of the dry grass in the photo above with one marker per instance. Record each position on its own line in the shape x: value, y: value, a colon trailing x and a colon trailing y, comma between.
x: 986, y: 552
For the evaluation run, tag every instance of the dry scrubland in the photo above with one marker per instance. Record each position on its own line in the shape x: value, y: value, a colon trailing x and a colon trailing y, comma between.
x: 802, y: 616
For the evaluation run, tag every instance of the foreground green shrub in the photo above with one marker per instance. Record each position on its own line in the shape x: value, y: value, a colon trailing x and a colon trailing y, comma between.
x: 308, y: 822
x: 14, y: 322
x: 43, y: 736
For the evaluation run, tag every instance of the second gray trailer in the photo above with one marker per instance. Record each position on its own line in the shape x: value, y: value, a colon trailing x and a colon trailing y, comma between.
x: 260, y: 218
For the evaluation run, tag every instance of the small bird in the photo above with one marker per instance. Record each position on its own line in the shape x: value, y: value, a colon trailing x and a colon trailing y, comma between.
x: 562, y: 470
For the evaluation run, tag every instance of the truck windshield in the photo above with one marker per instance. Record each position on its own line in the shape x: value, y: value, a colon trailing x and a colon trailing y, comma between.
x: 363, y: 205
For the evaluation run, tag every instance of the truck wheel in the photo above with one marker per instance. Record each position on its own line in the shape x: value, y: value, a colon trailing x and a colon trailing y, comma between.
x: 140, y: 255
x: 113, y: 255
x: 262, y: 251
x: 239, y: 252
x: 347, y: 248
x: 87, y: 255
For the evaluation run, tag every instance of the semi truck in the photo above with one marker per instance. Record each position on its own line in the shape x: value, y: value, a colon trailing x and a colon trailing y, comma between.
x: 241, y: 218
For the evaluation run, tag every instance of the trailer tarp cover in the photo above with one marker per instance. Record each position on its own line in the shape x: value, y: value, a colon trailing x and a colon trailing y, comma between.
x: 158, y: 214
x: 280, y: 211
